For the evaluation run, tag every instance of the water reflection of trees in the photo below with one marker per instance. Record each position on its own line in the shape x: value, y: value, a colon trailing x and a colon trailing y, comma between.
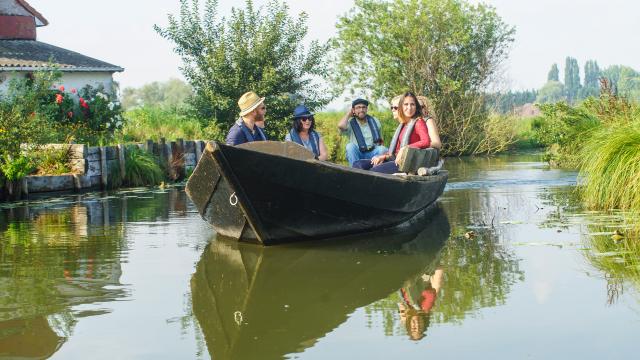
x: 479, y: 269
x: 59, y: 253
x: 617, y: 257
x: 478, y: 273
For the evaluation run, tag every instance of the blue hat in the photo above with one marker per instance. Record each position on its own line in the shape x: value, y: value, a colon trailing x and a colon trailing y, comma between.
x: 301, y: 111
x: 359, y: 101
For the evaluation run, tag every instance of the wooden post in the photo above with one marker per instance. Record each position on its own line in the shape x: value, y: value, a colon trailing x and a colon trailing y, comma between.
x: 149, y: 146
x: 181, y: 171
x: 104, y: 167
x: 121, y: 150
x: 25, y: 186
x: 162, y: 148
x: 169, y: 154
x: 198, y: 150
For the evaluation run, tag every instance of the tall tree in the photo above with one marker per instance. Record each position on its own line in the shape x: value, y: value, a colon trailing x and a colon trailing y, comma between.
x: 591, y: 74
x: 554, y: 73
x: 254, y: 49
x: 571, y: 79
x: 446, y: 49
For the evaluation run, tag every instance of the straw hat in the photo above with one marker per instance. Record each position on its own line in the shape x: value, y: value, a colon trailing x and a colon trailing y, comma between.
x: 248, y: 102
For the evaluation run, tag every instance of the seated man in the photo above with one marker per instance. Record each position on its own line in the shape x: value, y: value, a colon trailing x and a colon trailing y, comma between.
x: 252, y: 111
x: 365, y: 137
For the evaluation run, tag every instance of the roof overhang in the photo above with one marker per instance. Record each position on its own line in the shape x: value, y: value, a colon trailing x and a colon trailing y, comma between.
x: 40, y: 20
x: 63, y: 69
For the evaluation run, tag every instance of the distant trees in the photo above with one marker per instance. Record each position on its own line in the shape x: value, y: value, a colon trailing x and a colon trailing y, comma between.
x: 551, y: 92
x: 571, y: 79
x: 624, y: 81
x: 171, y: 94
x: 554, y: 73
x: 508, y: 102
x: 591, y: 80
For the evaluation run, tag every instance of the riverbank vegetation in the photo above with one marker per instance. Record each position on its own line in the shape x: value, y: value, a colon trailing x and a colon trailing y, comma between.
x: 600, y: 138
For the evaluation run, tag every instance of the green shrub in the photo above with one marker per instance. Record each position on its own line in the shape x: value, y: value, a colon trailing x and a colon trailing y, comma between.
x: 141, y: 168
x: 499, y: 134
x: 53, y: 161
x: 563, y: 129
x: 16, y: 168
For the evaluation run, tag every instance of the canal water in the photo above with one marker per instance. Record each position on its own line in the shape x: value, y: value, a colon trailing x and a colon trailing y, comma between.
x: 507, y: 267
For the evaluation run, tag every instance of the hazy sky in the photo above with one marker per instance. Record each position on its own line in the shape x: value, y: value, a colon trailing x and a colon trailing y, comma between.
x: 121, y: 32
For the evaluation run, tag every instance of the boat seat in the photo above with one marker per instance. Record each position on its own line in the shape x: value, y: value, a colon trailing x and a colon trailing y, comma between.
x: 410, y: 160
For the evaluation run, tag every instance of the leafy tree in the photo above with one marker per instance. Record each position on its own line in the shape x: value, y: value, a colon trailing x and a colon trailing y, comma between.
x: 551, y: 92
x: 554, y: 73
x: 571, y: 79
x: 254, y: 49
x: 446, y: 49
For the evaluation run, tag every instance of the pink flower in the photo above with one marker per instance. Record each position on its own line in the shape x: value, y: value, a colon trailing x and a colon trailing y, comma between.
x: 59, y: 99
x: 61, y: 88
x: 70, y: 114
x: 73, y: 90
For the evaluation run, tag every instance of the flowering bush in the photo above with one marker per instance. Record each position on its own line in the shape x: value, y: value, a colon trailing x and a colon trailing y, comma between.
x: 92, y: 112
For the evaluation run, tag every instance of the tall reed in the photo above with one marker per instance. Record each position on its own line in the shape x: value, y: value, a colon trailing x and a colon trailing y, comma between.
x: 610, y: 165
x: 141, y: 168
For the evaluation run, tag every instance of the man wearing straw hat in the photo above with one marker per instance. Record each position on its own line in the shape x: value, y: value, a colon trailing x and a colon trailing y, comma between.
x: 252, y: 110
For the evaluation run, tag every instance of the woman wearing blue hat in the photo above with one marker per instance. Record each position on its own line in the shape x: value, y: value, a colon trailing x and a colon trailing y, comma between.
x: 303, y: 133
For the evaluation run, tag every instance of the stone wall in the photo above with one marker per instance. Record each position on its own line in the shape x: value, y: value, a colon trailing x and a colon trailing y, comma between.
x: 91, y: 165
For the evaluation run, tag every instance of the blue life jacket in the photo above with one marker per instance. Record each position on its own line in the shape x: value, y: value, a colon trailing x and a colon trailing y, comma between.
x: 314, y: 140
x: 247, y: 132
x: 375, y: 133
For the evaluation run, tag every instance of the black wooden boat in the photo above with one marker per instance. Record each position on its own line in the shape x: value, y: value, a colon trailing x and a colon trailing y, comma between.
x: 256, y: 302
x: 271, y: 192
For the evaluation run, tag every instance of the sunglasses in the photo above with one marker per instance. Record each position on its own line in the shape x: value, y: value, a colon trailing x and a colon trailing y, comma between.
x: 306, y: 119
x: 394, y: 108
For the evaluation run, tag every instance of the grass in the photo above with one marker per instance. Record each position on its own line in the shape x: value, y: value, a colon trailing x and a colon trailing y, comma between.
x: 610, y: 164
x: 141, y: 168
x: 155, y: 123
x: 53, y: 161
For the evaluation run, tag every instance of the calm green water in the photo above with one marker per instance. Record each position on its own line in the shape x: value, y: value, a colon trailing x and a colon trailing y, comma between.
x: 138, y: 275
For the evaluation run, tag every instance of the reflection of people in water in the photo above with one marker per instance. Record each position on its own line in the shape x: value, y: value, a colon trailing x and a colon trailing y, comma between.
x: 417, y: 300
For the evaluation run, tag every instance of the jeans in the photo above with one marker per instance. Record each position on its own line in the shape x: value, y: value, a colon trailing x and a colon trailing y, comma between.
x: 387, y: 167
x: 353, y: 153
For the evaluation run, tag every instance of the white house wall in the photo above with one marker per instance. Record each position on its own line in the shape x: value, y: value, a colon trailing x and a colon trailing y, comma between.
x: 69, y: 79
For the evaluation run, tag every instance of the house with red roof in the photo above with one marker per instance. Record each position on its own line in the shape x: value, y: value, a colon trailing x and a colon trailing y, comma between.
x: 21, y: 53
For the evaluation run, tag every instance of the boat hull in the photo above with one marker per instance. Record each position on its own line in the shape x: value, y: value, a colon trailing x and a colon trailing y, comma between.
x: 262, y: 197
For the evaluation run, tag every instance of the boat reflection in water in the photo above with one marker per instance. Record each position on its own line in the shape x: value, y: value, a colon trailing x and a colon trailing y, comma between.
x: 267, y: 302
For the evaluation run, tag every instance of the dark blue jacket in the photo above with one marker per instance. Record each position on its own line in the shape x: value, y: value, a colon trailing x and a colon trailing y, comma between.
x: 240, y: 134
